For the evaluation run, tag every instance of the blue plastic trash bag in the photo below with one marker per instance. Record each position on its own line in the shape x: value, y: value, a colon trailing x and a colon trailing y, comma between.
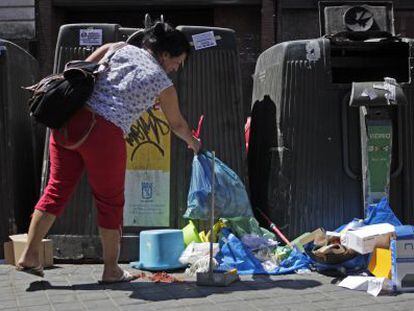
x: 234, y: 254
x: 230, y: 199
x: 381, y: 213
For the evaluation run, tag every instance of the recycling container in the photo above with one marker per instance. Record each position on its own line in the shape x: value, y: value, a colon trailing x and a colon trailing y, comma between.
x: 158, y: 164
x: 20, y: 141
x: 304, y: 156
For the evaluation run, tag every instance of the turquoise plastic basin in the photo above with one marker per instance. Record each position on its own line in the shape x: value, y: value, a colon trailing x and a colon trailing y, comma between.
x: 160, y: 250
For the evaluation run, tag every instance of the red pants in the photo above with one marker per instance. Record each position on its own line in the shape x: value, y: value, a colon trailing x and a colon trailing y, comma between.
x: 103, y: 155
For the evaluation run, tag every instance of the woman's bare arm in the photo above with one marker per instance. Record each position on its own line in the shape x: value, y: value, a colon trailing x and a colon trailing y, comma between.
x: 97, y: 55
x: 170, y: 107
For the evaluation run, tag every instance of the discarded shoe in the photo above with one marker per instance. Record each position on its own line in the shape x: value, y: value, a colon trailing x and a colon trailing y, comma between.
x: 126, y: 277
x: 38, y: 271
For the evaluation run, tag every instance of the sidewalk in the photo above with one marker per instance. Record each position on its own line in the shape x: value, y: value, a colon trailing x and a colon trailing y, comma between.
x: 74, y: 287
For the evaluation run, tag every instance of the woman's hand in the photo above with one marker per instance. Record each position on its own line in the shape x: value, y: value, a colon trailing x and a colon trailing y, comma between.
x: 195, y: 144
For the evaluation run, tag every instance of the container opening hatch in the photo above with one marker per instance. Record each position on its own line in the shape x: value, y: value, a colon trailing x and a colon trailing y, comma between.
x: 356, y: 61
x: 363, y: 44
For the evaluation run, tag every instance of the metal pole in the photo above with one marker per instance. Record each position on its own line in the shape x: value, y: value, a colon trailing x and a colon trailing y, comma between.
x: 212, y: 215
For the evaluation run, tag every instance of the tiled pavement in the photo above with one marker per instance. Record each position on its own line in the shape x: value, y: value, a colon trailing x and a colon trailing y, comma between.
x: 74, y: 287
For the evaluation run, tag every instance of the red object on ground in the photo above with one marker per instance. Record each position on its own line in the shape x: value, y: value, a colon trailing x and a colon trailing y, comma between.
x: 158, y: 277
x: 163, y: 277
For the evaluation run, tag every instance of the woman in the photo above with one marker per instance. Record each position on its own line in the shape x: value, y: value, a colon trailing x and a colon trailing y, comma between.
x: 134, y: 79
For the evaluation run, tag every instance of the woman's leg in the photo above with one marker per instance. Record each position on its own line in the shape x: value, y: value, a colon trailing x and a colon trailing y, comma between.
x: 66, y: 167
x: 39, y: 226
x: 110, y: 247
x: 104, y: 155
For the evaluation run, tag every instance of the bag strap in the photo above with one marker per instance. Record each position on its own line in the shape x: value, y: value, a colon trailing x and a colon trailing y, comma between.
x: 111, y: 51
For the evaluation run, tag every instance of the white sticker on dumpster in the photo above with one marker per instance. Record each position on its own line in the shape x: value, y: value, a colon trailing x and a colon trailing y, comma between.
x: 90, y: 37
x: 313, y: 51
x: 204, y: 40
x: 369, y: 93
x: 147, y: 198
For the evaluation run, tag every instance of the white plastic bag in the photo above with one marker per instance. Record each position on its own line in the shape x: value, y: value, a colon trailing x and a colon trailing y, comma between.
x: 195, y: 251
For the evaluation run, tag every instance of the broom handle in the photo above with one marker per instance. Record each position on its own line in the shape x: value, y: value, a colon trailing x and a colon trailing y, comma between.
x: 275, y: 228
x: 212, y: 216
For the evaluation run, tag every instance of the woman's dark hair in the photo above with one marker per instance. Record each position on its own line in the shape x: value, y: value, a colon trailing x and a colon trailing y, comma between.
x: 162, y: 37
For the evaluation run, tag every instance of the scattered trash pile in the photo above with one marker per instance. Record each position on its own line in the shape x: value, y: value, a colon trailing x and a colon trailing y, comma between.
x: 374, y: 254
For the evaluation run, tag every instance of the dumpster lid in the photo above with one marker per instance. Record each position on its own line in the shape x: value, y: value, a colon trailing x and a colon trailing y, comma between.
x: 356, y: 16
x: 385, y: 93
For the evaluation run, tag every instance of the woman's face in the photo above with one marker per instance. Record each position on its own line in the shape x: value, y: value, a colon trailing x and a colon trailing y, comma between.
x: 171, y: 63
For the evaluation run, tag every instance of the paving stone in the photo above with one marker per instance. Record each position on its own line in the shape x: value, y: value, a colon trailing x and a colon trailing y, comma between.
x: 344, y: 303
x: 5, y: 293
x: 402, y: 306
x: 70, y: 306
x: 123, y: 301
x: 375, y: 307
x: 303, y: 307
x: 55, y: 299
x: 233, y: 306
x: 92, y: 295
x: 11, y: 303
x: 33, y: 301
x: 218, y: 298
x: 36, y: 308
x: 99, y: 304
x: 143, y: 307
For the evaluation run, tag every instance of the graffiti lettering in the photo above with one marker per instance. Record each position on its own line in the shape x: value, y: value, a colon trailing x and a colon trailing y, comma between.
x: 147, y: 132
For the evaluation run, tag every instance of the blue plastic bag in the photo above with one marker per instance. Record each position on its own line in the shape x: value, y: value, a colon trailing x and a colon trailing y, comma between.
x: 235, y: 254
x: 381, y: 213
x: 230, y: 199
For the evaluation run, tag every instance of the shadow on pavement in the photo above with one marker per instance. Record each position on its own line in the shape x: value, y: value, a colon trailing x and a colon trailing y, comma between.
x: 150, y: 291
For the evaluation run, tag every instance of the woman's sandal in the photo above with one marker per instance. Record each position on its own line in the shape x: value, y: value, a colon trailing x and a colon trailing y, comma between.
x: 126, y: 277
x: 38, y: 271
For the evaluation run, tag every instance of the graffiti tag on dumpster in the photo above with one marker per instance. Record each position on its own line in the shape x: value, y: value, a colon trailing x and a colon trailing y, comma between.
x: 147, y: 131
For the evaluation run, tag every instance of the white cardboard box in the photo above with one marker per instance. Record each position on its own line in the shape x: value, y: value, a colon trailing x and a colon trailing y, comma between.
x: 366, y: 238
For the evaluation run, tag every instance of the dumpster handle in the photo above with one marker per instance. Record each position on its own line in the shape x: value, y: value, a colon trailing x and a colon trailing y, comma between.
x: 399, y: 168
x: 345, y: 143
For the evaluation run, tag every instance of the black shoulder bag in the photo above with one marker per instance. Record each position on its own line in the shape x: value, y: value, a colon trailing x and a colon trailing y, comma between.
x: 56, y: 98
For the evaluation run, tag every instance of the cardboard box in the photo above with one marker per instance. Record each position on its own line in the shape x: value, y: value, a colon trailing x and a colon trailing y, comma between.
x: 380, y: 263
x: 365, y: 239
x: 306, y: 238
x: 402, y: 254
x: 14, y: 248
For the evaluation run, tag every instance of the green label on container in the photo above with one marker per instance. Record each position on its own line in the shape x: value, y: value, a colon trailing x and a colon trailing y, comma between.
x: 379, y: 161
